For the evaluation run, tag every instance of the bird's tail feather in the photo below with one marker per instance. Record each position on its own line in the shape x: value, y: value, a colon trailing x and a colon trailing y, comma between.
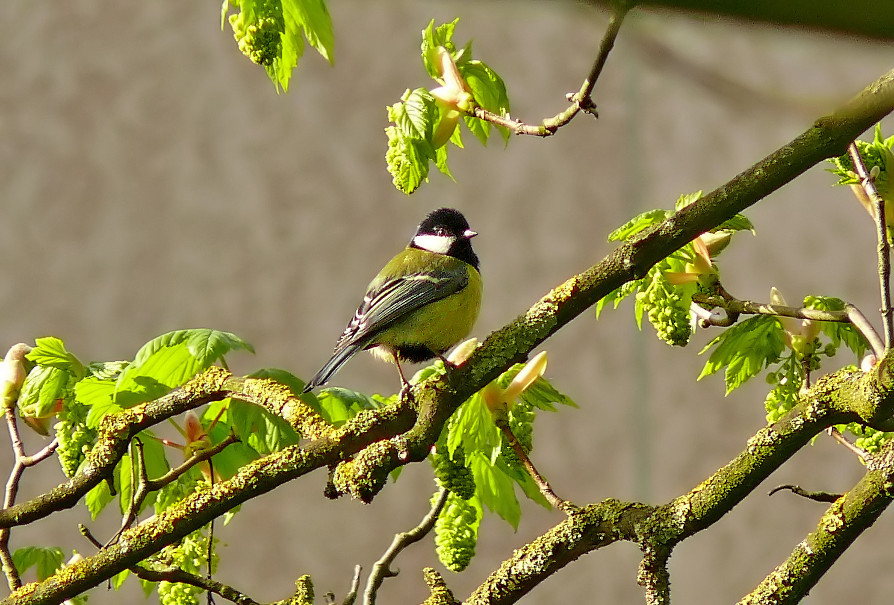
x: 333, y: 365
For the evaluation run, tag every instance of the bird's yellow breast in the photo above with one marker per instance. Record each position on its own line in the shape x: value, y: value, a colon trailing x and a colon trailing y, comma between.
x: 438, y: 325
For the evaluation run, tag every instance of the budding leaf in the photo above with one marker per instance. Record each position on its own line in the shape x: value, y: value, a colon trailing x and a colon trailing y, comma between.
x: 410, y: 147
x: 272, y: 33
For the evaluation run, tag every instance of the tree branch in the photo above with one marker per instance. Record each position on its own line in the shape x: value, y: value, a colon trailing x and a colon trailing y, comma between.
x: 884, y: 249
x: 842, y: 523
x: 581, y: 100
x: 658, y: 529
x: 867, y: 18
x: 543, y: 485
x: 175, y: 574
x: 397, y: 435
x: 850, y: 314
x: 145, y: 485
x: 382, y: 568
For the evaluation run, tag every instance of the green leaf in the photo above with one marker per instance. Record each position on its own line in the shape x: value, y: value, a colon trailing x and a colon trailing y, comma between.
x: 525, y: 482
x: 43, y: 388
x: 737, y: 223
x: 97, y: 498
x: 494, y: 488
x: 410, y: 146
x: 313, y: 16
x: 50, y: 351
x: 168, y: 361
x: 284, y: 377
x: 118, y: 579
x: 637, y: 224
x: 616, y: 296
x: 489, y: 91
x: 441, y: 160
x: 292, y: 46
x: 46, y: 560
x: 473, y: 428
x: 479, y: 128
x: 228, y: 462
x: 338, y: 404
x: 99, y: 395
x: 745, y: 349
x: 838, y: 332
x: 432, y: 38
x: 258, y: 428
x: 415, y: 117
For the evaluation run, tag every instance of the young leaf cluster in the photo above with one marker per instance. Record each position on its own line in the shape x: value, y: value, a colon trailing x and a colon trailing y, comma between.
x: 791, y: 349
x: 272, y: 33
x: 877, y: 152
x: 665, y: 294
x: 423, y: 121
x: 470, y: 460
x: 80, y: 396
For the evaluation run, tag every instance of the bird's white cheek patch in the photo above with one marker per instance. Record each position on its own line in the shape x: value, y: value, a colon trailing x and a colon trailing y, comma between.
x: 434, y: 243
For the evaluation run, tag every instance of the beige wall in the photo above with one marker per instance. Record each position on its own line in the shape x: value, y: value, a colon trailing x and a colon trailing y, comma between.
x: 150, y: 180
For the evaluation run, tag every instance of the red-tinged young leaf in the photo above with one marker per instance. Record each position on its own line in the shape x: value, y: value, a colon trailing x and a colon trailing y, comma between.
x: 42, y: 390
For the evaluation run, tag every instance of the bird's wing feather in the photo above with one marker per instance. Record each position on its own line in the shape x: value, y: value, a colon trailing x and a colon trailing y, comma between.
x: 396, y: 298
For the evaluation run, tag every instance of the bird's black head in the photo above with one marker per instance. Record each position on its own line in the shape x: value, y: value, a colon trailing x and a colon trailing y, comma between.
x: 446, y: 231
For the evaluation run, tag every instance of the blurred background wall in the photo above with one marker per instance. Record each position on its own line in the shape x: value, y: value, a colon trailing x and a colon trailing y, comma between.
x: 151, y: 179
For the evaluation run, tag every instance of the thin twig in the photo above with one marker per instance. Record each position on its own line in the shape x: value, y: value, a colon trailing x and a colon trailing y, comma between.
x: 355, y: 587
x: 22, y: 462
x: 837, y: 436
x: 210, y: 552
x: 815, y: 496
x: 866, y: 329
x: 867, y: 180
x: 581, y: 100
x: 381, y: 569
x: 145, y: 485
x: 175, y: 574
x: 542, y: 484
x: 850, y: 314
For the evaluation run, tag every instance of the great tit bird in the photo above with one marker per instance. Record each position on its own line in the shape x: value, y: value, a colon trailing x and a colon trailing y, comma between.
x: 423, y: 302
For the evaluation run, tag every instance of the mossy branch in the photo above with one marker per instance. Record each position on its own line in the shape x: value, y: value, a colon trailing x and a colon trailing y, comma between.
x: 382, y: 440
x: 841, y: 524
